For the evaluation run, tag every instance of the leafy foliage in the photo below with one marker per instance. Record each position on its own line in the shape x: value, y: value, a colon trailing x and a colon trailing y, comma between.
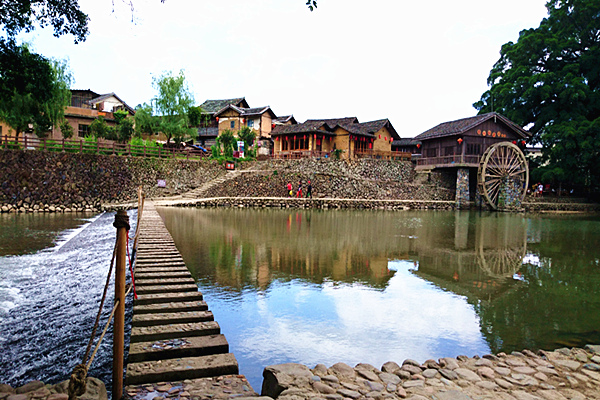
x: 64, y: 16
x: 100, y: 129
x: 226, y: 141
x: 549, y: 82
x: 168, y: 111
x: 312, y: 4
x: 67, y: 130
x: 33, y: 89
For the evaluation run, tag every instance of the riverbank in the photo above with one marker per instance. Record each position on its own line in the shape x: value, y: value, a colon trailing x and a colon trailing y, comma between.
x: 546, y: 375
x: 38, y: 390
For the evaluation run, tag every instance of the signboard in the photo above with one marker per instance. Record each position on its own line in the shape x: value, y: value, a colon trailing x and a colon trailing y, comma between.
x: 161, y: 183
x: 229, y: 165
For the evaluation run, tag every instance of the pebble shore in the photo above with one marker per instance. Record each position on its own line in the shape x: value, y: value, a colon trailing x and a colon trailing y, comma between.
x: 38, y: 390
x: 558, y: 375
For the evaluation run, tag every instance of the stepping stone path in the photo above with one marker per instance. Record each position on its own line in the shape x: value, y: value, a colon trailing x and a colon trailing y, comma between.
x: 177, y: 350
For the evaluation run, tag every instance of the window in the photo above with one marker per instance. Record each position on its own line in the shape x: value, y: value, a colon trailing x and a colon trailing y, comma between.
x: 449, y: 151
x: 232, y: 124
x: 250, y: 123
x: 431, y: 152
x: 473, y: 148
x: 83, y: 130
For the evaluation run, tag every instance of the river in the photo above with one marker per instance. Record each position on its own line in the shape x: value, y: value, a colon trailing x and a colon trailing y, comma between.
x: 328, y: 286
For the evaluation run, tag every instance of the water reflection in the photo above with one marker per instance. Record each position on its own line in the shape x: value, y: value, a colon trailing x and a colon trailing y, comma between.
x: 313, y: 286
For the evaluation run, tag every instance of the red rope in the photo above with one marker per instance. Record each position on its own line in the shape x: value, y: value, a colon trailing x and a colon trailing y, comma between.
x: 131, y: 268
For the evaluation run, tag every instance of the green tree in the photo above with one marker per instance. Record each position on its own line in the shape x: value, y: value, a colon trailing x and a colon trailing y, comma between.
x: 171, y: 105
x: 226, y: 140
x: 549, y: 82
x: 124, y: 130
x: 145, y: 122
x: 195, y: 116
x: 67, y: 130
x: 33, y: 89
x: 64, y: 16
x: 100, y: 129
x: 247, y: 135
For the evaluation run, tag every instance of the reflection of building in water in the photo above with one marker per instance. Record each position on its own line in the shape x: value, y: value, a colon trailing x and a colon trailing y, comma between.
x: 478, y: 254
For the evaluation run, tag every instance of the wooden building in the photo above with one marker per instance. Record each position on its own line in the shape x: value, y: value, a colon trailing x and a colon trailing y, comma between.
x: 461, y: 143
x: 322, y: 137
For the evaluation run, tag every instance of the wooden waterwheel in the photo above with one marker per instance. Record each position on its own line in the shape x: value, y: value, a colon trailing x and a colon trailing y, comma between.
x: 503, y: 176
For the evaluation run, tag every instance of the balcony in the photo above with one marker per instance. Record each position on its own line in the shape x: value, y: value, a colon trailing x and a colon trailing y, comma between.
x: 456, y: 160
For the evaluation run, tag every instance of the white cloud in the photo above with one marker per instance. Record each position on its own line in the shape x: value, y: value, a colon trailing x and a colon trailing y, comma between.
x: 416, y: 63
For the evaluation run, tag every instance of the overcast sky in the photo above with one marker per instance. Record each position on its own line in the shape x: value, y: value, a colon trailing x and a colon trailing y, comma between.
x: 417, y: 63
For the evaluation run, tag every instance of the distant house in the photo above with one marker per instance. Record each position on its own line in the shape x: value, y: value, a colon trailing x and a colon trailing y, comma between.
x: 408, y: 145
x: 209, y: 127
x: 320, y: 137
x: 233, y: 114
x: 86, y: 105
x: 462, y: 142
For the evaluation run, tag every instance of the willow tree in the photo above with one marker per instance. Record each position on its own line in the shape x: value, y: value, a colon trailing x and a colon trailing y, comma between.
x: 549, y: 82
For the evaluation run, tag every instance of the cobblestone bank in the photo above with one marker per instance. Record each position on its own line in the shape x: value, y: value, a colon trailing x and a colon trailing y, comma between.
x: 280, y: 202
x: 221, y: 387
x: 36, y: 181
x: 558, y: 375
x: 37, y: 390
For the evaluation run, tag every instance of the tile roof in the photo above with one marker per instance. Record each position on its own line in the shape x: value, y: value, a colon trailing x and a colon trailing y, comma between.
x: 370, y: 128
x: 212, y: 106
x: 285, y: 118
x: 460, y: 126
x: 103, y: 97
x: 406, y: 142
x: 333, y: 122
x: 246, y: 112
x: 307, y: 127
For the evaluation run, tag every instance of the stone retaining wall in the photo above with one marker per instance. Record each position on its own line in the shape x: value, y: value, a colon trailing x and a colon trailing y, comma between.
x: 329, y: 203
x: 36, y: 181
x: 558, y: 375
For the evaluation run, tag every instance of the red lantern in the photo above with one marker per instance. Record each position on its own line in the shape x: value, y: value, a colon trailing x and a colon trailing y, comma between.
x: 217, y: 119
x: 522, y: 142
x: 514, y: 142
x: 315, y: 136
x: 379, y: 136
x: 418, y: 145
x: 459, y: 140
x: 272, y: 126
x: 370, y: 145
x: 243, y: 120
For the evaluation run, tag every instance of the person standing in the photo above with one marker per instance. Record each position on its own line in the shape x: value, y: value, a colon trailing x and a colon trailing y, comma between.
x: 289, y: 188
x: 309, y: 190
x: 299, y: 192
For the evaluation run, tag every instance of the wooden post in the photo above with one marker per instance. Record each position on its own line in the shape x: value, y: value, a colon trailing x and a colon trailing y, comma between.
x: 122, y: 225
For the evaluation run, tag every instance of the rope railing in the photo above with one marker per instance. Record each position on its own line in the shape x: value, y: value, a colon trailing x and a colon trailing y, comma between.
x: 78, y: 380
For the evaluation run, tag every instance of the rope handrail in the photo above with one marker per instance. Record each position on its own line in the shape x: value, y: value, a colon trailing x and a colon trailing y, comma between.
x: 78, y: 380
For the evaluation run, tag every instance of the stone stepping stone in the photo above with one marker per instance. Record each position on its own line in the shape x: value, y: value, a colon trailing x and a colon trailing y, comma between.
x: 178, y: 348
x: 181, y: 368
x: 166, y: 289
x: 162, y: 275
x: 162, y: 332
x: 170, y: 307
x: 161, y: 267
x: 156, y: 298
x: 164, y: 281
x: 181, y: 317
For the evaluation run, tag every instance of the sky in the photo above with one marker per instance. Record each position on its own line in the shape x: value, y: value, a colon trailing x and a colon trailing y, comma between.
x: 416, y: 63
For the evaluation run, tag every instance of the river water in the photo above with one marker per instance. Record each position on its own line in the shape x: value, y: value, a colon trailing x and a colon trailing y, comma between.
x: 52, y: 273
x: 320, y: 287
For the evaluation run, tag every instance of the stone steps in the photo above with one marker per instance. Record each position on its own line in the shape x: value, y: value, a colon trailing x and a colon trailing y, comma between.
x: 173, y: 331
x: 173, y: 335
x: 173, y: 307
x: 178, y: 348
x: 180, y: 317
x: 178, y: 369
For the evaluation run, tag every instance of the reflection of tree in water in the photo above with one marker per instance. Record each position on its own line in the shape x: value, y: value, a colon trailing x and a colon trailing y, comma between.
x: 558, y: 303
x: 533, y: 281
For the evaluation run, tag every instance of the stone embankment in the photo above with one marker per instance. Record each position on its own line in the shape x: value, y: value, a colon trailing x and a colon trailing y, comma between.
x: 36, y: 181
x: 37, y: 390
x: 558, y: 375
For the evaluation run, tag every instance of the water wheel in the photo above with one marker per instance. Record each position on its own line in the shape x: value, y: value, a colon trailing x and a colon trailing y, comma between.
x: 503, y: 176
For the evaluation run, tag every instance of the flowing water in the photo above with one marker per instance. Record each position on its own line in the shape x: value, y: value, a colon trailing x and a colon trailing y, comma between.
x: 317, y: 287
x: 52, y: 273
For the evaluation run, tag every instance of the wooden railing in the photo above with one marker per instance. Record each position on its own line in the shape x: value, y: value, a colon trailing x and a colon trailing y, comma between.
x: 384, y: 155
x: 449, y: 160
x: 297, y: 154
x: 97, y: 147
